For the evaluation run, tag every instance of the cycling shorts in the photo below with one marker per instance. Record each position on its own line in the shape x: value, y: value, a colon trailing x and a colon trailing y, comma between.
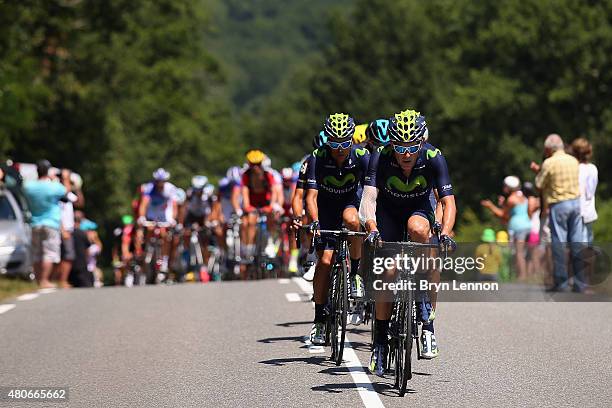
x: 330, y: 217
x: 392, y: 222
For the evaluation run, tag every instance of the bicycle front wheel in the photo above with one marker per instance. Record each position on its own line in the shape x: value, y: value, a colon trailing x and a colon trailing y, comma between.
x: 340, y: 313
x: 404, y: 351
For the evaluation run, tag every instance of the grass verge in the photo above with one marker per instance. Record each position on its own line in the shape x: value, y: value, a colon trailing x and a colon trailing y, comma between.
x: 14, y: 287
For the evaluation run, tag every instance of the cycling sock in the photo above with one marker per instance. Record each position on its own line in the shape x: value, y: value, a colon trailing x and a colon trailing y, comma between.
x: 354, y: 266
x: 295, y: 252
x: 319, y: 313
x: 382, y: 327
x: 429, y: 327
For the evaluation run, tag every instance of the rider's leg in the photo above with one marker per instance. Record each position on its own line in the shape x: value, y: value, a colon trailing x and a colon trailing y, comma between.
x: 350, y: 216
x: 419, y: 230
x: 166, y: 248
x: 251, y: 223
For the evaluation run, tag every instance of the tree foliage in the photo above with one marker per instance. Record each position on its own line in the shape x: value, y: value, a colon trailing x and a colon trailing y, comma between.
x: 492, y: 78
x: 112, y: 90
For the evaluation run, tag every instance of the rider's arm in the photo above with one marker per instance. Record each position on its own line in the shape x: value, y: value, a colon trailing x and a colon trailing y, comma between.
x: 311, y: 204
x: 236, y: 191
x: 297, y: 202
x: 367, y: 208
x: 175, y: 210
x: 312, y: 189
x: 144, y: 203
x: 449, y: 214
x: 246, y: 202
x: 445, y: 192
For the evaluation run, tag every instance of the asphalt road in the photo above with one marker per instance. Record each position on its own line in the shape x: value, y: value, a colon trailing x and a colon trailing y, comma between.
x: 242, y: 344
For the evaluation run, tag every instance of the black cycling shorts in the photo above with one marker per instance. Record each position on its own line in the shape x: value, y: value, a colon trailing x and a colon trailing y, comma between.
x: 391, y: 222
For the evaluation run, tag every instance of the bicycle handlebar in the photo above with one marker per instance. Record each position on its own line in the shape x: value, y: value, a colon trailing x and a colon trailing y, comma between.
x: 160, y: 224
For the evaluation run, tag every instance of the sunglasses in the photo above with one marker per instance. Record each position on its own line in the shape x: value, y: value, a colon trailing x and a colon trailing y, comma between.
x: 338, y: 145
x: 406, y: 149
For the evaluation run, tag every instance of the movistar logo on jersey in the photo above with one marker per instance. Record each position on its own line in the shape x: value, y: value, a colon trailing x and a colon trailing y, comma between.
x: 361, y: 152
x: 350, y: 177
x: 320, y: 152
x: 394, y: 183
x: 433, y: 153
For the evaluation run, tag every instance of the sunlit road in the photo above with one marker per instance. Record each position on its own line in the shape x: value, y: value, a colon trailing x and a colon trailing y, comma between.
x: 242, y: 344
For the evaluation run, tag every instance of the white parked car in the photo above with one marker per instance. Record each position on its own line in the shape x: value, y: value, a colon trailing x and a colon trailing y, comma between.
x: 15, y: 238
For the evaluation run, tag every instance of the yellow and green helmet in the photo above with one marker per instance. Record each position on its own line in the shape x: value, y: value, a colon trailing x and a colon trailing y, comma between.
x: 339, y: 126
x: 407, y: 126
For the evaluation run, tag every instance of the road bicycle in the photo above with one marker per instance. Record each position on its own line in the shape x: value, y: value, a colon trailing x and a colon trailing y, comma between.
x: 338, y: 300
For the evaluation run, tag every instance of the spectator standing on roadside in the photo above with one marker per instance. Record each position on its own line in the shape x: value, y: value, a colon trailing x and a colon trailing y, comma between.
x: 80, y: 276
x: 557, y: 178
x: 514, y: 212
x: 44, y: 196
x: 67, y: 229
x: 94, y: 250
x: 491, y: 256
x: 587, y: 181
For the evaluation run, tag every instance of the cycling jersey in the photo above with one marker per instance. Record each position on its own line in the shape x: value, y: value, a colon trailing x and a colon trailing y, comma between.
x: 400, y: 197
x: 261, y: 198
x: 303, y: 174
x: 333, y: 182
x: 339, y: 187
x: 160, y: 204
x: 395, y: 190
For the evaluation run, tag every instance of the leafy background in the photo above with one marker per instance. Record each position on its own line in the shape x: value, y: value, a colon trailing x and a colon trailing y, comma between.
x: 117, y: 88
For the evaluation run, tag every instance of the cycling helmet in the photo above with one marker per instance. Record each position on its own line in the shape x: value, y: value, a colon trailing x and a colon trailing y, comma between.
x: 377, y: 132
x: 266, y: 163
x: 296, y: 167
x: 161, y: 175
x: 180, y: 196
x: 339, y: 126
x: 360, y: 134
x: 407, y: 126
x: 234, y: 174
x: 209, y: 190
x: 255, y: 157
x: 287, y: 173
x: 198, y: 182
x: 319, y: 140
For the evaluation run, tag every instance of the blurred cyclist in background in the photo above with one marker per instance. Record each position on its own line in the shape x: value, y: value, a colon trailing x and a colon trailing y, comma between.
x: 159, y: 204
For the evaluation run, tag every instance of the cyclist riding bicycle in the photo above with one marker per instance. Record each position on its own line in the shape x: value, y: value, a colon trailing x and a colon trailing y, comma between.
x: 301, y: 217
x: 377, y: 134
x: 197, y: 208
x: 335, y: 176
x: 360, y: 137
x: 123, y: 247
x: 396, y: 199
x: 159, y: 204
x: 289, y: 184
x: 257, y: 194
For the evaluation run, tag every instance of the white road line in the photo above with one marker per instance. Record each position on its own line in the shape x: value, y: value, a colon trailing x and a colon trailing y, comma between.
x: 47, y: 290
x: 284, y: 281
x: 6, y: 308
x: 293, y: 297
x: 305, y: 286
x: 28, y: 296
x: 368, y: 394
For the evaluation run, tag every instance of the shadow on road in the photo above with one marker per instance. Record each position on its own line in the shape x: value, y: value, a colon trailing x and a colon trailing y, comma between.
x: 291, y: 324
x: 318, y: 361
x: 297, y: 339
